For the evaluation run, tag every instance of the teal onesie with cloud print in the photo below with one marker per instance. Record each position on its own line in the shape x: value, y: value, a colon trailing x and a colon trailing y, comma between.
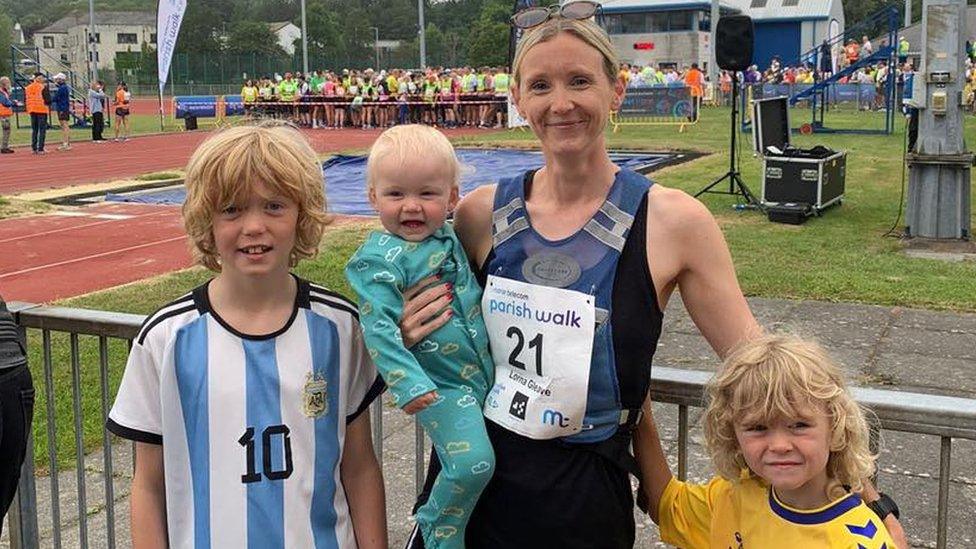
x: 454, y: 361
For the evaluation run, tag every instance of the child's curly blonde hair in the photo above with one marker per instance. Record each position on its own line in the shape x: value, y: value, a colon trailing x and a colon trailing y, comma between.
x: 224, y: 168
x: 775, y: 376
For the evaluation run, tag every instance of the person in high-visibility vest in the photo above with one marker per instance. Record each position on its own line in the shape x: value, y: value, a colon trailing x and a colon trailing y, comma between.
x: 38, y: 102
x: 695, y: 81
x: 249, y: 96
x: 500, y: 82
x: 6, y: 111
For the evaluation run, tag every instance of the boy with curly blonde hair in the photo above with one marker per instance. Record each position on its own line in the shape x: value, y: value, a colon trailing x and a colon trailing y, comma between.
x: 790, y: 445
x: 245, y: 397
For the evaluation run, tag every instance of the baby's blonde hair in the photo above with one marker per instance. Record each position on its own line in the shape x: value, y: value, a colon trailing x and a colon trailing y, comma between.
x: 224, y: 168
x: 774, y: 376
x: 410, y: 141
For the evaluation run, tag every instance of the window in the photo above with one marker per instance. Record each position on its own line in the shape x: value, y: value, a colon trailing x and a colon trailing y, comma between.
x: 152, y: 38
x: 48, y: 42
x: 611, y: 24
x: 658, y: 22
x: 787, y: 3
x: 127, y: 38
x: 705, y: 21
x: 98, y: 38
x: 758, y: 4
x: 680, y: 20
x: 633, y: 23
x: 64, y: 58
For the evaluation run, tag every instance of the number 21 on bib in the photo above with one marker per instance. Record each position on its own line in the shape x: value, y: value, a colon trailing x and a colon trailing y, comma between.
x: 541, y: 342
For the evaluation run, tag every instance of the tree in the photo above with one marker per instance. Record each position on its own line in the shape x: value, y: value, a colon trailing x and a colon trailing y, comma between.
x: 6, y: 33
x: 489, y: 38
x: 252, y: 37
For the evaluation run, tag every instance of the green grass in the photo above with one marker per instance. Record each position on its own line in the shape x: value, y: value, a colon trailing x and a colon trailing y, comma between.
x: 159, y: 176
x: 139, y: 124
x: 839, y: 257
x: 16, y: 208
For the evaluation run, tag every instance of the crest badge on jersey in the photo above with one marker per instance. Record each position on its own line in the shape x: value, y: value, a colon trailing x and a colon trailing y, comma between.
x: 315, y: 396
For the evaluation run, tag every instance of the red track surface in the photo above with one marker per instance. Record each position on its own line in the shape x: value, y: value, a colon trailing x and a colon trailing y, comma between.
x: 51, y: 257
x: 88, y: 162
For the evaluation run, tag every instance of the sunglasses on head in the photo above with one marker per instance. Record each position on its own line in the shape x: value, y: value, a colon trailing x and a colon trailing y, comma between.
x: 535, y: 16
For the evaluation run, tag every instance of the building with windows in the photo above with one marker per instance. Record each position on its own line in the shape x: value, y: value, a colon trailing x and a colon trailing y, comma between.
x: 791, y: 28
x: 62, y: 44
x: 677, y: 33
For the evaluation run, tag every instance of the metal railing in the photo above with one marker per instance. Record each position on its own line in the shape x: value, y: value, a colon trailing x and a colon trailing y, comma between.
x: 946, y: 417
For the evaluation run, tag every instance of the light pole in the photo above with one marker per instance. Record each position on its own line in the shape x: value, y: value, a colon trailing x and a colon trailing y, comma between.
x: 92, y: 47
x: 304, y: 42
x: 423, y: 35
x: 376, y: 46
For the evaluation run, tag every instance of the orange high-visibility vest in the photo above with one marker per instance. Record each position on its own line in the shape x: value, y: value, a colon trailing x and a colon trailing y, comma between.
x: 5, y: 111
x: 35, y: 101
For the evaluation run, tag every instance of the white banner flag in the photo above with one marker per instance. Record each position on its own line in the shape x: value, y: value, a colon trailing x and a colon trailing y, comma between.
x: 169, y: 16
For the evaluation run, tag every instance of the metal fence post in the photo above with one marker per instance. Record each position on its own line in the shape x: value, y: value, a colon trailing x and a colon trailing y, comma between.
x: 23, y: 510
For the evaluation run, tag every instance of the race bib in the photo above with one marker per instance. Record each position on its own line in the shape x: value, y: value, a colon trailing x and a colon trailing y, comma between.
x: 541, y: 342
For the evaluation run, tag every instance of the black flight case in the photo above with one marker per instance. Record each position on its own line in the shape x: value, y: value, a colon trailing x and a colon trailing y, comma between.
x: 796, y: 183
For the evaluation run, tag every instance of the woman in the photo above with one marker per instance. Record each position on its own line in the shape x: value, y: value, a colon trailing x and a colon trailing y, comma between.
x: 579, y: 223
x: 122, y: 99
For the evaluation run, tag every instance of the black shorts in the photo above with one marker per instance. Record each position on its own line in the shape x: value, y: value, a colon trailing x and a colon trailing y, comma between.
x: 64, y: 116
x: 546, y: 493
x: 121, y: 111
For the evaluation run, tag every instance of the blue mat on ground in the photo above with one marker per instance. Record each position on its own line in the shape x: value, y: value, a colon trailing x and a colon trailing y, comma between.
x: 345, y: 176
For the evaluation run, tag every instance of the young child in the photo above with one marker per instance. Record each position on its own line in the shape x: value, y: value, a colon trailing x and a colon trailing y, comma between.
x: 245, y: 397
x: 791, y: 447
x: 412, y: 177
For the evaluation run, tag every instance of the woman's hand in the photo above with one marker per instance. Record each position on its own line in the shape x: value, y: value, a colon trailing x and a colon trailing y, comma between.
x: 425, y: 309
x: 420, y: 403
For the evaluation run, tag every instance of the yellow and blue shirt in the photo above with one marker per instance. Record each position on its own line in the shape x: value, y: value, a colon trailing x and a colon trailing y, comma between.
x: 746, y: 514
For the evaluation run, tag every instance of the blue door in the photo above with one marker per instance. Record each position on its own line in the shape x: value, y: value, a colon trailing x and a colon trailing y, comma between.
x: 776, y: 38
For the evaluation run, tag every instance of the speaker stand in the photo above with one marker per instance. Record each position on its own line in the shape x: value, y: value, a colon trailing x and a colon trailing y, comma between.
x: 737, y: 186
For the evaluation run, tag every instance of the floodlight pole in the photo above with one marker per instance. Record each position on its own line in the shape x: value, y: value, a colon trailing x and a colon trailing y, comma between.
x: 908, y: 13
x: 376, y: 45
x: 713, y: 71
x: 304, y: 42
x: 92, y: 48
x: 423, y: 35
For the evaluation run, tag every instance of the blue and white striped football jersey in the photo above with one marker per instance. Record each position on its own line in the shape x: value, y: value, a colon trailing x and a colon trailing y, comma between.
x: 252, y: 427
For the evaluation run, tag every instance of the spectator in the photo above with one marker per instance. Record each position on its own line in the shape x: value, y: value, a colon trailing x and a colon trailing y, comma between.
x: 62, y: 104
x: 122, y: 99
x: 6, y: 111
x: 826, y: 64
x: 852, y: 51
x: 97, y: 100
x: 38, y: 99
x: 695, y: 81
x: 16, y: 407
x: 866, y: 48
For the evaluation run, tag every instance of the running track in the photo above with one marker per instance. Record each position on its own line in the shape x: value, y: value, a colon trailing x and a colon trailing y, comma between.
x: 88, y: 162
x: 74, y: 252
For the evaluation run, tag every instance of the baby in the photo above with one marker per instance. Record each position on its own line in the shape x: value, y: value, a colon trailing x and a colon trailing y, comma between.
x: 412, y: 178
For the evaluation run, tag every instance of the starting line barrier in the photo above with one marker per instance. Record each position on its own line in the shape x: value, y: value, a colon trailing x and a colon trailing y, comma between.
x: 222, y: 106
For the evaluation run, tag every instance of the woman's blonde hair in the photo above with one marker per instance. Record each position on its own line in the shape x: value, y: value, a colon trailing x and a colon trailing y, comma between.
x: 224, y: 168
x: 410, y: 141
x: 775, y: 376
x: 584, y: 29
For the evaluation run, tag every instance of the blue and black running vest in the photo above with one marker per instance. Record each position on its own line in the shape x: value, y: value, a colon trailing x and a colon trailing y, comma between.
x: 628, y: 319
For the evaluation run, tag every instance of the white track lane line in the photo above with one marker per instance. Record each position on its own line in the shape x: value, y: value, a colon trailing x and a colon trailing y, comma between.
x: 62, y: 229
x: 87, y: 257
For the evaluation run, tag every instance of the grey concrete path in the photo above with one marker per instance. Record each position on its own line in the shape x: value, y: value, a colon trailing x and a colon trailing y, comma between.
x: 883, y: 347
